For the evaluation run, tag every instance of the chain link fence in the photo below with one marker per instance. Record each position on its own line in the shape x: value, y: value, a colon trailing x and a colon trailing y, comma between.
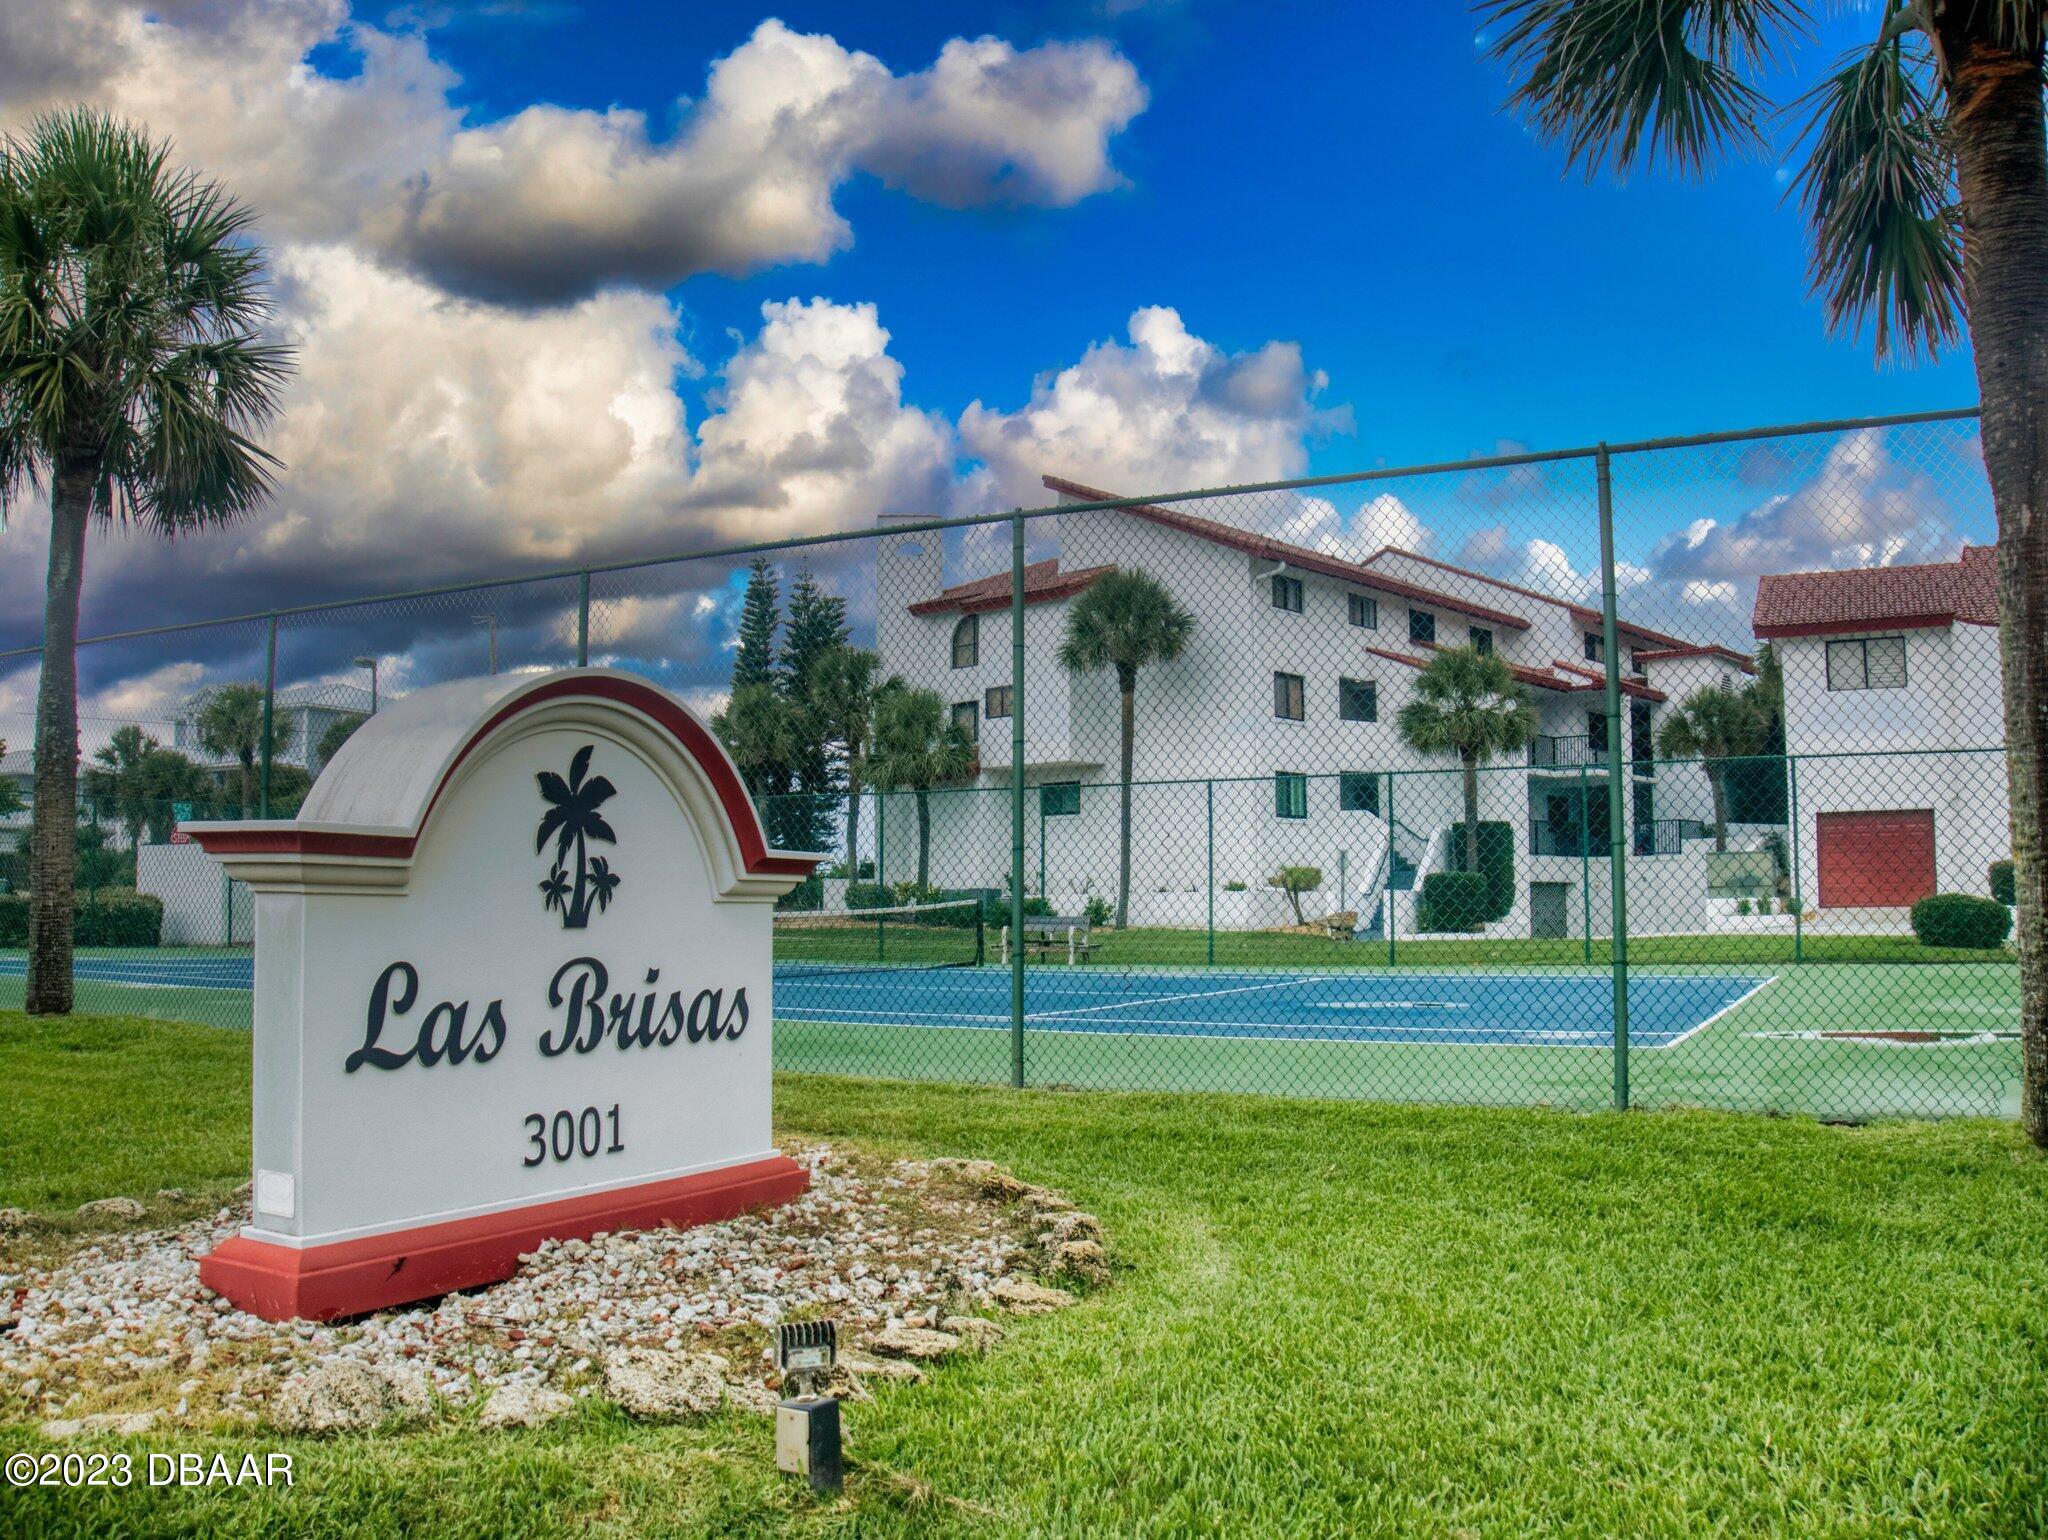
x: 1652, y: 774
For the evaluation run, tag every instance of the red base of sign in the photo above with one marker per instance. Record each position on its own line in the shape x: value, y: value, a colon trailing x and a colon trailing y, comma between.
x: 319, y: 1283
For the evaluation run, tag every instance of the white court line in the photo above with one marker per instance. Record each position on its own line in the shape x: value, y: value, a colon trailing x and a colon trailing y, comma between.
x: 1734, y: 1004
x: 1150, y: 1000
x: 1276, y: 1031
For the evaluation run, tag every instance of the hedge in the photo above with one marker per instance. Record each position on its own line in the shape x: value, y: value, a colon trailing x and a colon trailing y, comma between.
x: 1496, y: 865
x: 108, y: 917
x: 1453, y: 901
x: 1961, y: 920
x: 2002, y: 887
x: 873, y: 895
x: 806, y: 895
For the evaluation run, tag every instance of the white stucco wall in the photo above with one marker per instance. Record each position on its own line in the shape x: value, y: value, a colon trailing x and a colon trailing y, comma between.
x: 194, y: 891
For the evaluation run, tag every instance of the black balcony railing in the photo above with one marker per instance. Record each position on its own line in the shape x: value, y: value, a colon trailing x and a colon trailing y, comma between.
x: 1667, y: 836
x: 1548, y: 753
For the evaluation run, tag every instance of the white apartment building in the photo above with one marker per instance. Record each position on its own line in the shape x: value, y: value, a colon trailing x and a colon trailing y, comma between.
x: 303, y: 714
x: 1272, y: 740
x: 1894, y: 711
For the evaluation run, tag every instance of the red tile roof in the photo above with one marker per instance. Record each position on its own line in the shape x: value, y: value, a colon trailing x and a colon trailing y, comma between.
x: 1268, y: 549
x: 1536, y: 677
x: 1875, y: 598
x: 1043, y: 582
x: 1703, y: 650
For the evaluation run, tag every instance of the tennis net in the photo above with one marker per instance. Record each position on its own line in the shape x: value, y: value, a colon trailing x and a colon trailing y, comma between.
x: 905, y: 936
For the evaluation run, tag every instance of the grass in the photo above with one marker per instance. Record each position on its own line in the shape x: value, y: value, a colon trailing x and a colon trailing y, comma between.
x: 1329, y: 1318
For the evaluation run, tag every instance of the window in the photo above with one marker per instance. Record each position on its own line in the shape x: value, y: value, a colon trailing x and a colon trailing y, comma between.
x: 967, y: 717
x: 1594, y: 651
x: 1482, y: 640
x: 967, y: 642
x: 1358, y: 700
x: 1365, y: 612
x: 1287, y: 698
x: 1290, y: 794
x: 1635, y: 662
x: 1358, y: 792
x: 1642, y: 743
x: 1421, y: 626
x: 1059, y: 799
x: 997, y: 702
x: 1868, y: 663
x: 1596, y: 731
x: 1287, y: 594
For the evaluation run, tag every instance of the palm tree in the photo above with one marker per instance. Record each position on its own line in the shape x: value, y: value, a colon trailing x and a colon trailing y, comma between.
x: 1470, y: 704
x: 1124, y: 621
x: 132, y: 377
x: 1713, y: 726
x: 230, y: 726
x: 842, y: 691
x: 117, y: 779
x: 573, y: 819
x: 1926, y: 191
x: 917, y: 746
x: 338, y: 732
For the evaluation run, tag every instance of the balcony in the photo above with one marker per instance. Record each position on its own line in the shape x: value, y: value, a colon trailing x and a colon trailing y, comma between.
x: 1548, y: 753
x: 1667, y: 836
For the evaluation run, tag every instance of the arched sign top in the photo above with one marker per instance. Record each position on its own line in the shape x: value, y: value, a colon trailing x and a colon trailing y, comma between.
x: 362, y: 823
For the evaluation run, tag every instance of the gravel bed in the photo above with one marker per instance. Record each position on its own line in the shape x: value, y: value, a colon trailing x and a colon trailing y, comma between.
x: 124, y: 1320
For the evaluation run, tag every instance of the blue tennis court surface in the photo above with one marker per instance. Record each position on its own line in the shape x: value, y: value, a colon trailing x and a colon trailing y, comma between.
x: 1517, y: 1009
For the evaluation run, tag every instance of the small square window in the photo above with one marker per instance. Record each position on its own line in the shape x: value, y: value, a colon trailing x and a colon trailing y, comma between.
x: 996, y: 701
x: 967, y: 642
x: 1358, y: 700
x: 1482, y: 640
x: 967, y: 717
x: 1872, y: 663
x: 1594, y: 652
x: 1290, y: 794
x: 1059, y: 799
x: 1421, y: 626
x: 1287, y: 594
x: 1289, y: 698
x: 1358, y: 792
x: 1364, y: 611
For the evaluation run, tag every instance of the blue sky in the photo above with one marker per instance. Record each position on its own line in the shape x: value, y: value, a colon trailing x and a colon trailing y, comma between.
x: 573, y: 282
x: 1336, y: 174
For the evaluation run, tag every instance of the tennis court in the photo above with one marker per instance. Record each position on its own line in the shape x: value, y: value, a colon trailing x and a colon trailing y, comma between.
x: 1452, y: 1008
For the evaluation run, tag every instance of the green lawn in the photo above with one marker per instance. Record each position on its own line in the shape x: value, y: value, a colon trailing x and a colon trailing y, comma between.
x: 1329, y: 1318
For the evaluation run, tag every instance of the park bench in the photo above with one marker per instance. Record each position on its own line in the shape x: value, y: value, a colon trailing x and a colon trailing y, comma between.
x: 1045, y: 934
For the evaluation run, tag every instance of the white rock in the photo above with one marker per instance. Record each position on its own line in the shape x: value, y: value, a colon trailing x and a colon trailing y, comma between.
x: 524, y: 1406
x: 123, y: 1423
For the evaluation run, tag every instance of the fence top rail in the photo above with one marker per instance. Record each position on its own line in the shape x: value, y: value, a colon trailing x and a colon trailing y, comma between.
x: 898, y: 526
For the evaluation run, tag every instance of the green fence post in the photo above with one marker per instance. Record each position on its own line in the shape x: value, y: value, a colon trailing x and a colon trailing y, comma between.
x: 269, y: 715
x: 1017, y: 798
x: 583, y: 618
x: 881, y: 840
x: 1792, y: 828
x: 1041, y: 842
x: 1392, y: 857
x: 1211, y: 839
x: 1617, y: 802
x: 1585, y: 866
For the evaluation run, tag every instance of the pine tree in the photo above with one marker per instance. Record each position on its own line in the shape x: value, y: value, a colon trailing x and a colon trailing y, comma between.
x: 760, y: 619
x: 817, y: 629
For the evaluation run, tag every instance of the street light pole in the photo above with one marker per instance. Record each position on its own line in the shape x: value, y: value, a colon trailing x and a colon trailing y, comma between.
x: 492, y: 622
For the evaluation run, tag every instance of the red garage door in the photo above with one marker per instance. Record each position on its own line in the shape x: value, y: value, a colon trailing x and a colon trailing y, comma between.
x: 1876, y: 860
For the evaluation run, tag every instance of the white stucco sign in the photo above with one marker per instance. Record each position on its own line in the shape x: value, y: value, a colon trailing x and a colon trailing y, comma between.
x: 512, y: 982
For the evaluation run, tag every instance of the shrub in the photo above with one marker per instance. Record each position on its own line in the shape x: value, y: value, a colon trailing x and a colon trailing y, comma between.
x: 1454, y: 901
x: 1233, y: 886
x: 1098, y: 911
x: 2002, y: 887
x: 1496, y: 865
x: 1961, y: 920
x: 1742, y: 906
x: 1295, y: 881
x: 111, y: 917
x: 868, y: 895
x: 808, y: 894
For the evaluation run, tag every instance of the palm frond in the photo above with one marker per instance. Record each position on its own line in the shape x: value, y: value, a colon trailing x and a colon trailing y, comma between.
x: 1877, y: 190
x: 1641, y: 81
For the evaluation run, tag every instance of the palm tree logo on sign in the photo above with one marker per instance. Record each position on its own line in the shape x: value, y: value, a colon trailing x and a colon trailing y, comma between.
x: 573, y: 819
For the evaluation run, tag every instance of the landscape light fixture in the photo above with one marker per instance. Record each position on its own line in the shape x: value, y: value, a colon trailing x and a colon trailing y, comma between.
x: 807, y: 1420
x: 371, y: 665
